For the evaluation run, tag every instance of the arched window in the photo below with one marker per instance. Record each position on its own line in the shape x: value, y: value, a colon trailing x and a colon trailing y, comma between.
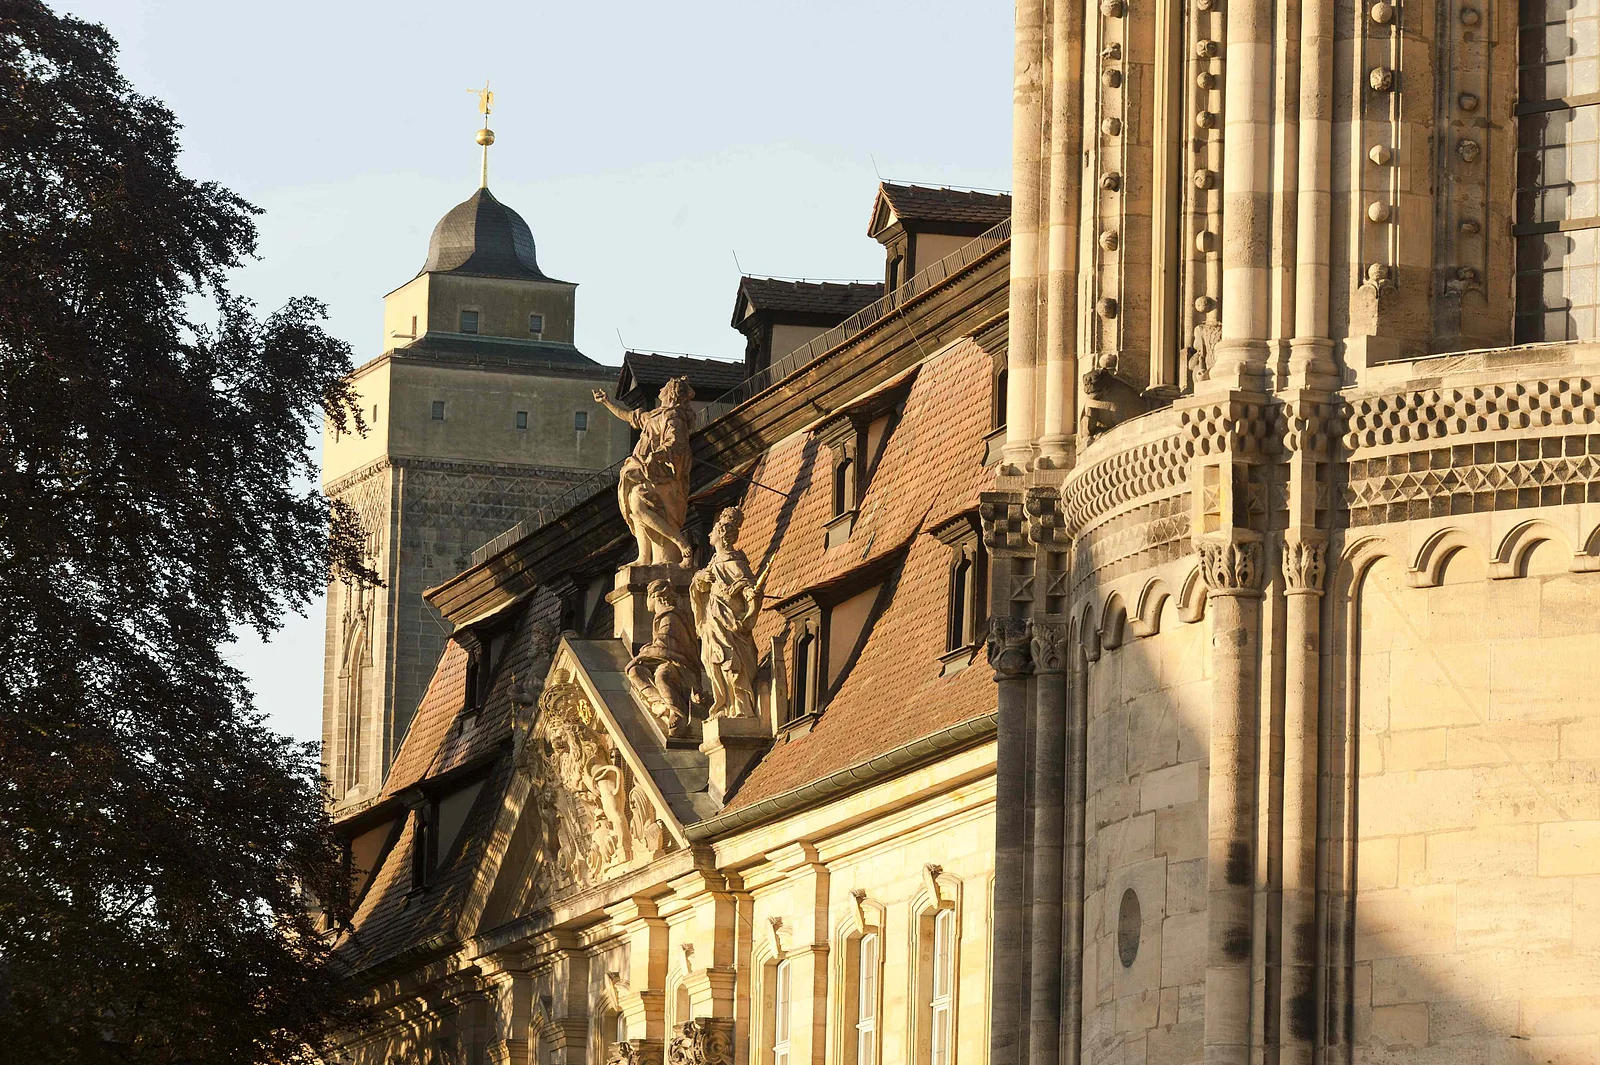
x: 935, y: 986
x: 780, y: 1014
x: 867, y: 1000
x: 941, y: 1003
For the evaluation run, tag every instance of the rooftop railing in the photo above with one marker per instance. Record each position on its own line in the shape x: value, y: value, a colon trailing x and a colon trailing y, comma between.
x: 758, y: 382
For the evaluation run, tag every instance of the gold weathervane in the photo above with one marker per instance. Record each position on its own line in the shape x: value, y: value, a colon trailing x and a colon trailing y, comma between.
x: 485, y: 135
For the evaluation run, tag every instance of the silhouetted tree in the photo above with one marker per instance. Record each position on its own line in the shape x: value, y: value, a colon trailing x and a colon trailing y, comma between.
x: 157, y: 840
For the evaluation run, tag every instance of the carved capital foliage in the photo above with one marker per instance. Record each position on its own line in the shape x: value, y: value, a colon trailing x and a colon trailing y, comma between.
x: 1009, y: 647
x: 1049, y: 647
x: 702, y: 1041
x: 1304, y: 565
x: 635, y: 1052
x: 1045, y: 521
x: 1230, y: 567
x: 1004, y: 523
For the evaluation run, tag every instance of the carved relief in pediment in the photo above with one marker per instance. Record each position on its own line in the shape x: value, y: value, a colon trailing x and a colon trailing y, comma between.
x: 595, y: 820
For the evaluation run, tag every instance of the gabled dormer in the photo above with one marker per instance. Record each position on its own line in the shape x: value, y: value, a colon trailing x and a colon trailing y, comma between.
x: 778, y: 316
x: 918, y: 225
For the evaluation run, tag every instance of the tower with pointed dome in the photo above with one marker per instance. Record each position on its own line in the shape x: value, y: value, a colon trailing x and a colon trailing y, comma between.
x: 479, y: 415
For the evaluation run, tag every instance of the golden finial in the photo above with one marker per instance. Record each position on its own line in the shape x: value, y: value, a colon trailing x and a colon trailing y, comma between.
x: 485, y: 135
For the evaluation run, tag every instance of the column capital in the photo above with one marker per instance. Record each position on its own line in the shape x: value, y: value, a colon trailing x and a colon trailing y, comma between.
x: 702, y: 1041
x: 1230, y: 566
x: 1049, y: 646
x: 1304, y: 566
x: 1009, y: 647
x: 635, y: 1052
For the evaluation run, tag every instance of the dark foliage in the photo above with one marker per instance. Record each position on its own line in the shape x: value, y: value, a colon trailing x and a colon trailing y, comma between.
x: 155, y: 835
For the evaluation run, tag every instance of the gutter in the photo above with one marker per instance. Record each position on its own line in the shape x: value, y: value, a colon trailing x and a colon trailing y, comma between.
x: 902, y: 759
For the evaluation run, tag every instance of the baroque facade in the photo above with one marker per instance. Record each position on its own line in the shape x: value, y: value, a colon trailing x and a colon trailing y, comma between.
x: 655, y: 804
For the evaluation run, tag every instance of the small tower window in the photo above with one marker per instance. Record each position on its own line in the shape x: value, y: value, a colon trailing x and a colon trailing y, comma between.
x: 580, y: 420
x: 522, y: 419
x: 469, y: 321
x: 536, y: 326
x: 413, y: 327
x: 438, y: 410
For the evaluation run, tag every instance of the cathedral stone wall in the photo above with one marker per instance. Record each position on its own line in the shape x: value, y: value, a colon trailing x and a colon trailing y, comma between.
x: 1144, y: 855
x: 1477, y: 752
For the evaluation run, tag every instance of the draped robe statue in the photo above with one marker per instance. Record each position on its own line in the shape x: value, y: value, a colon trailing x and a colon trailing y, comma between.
x: 653, y: 485
x: 664, y: 673
x: 727, y: 598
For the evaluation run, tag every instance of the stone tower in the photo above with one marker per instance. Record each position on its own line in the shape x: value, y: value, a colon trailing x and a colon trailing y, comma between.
x: 479, y: 413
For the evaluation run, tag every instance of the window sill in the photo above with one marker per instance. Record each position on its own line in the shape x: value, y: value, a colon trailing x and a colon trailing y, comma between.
x: 839, y: 528
x: 954, y: 662
x: 993, y: 444
x: 794, y: 728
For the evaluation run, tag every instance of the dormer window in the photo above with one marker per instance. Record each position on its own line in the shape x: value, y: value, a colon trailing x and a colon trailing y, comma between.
x: 844, y: 486
x: 805, y: 666
x: 965, y: 604
x: 536, y: 326
x: 469, y: 321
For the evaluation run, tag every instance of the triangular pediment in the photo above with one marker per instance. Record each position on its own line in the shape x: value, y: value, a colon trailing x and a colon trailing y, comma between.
x: 590, y: 800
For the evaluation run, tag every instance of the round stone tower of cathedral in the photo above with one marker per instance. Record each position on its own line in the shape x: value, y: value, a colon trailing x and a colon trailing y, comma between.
x: 479, y: 413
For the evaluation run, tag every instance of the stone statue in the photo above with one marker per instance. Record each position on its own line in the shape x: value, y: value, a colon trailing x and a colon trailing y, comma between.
x: 727, y: 597
x: 653, y: 486
x: 664, y: 674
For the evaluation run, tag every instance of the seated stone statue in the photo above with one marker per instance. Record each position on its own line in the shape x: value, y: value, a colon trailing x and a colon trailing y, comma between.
x: 664, y: 674
x: 727, y: 598
x: 653, y: 485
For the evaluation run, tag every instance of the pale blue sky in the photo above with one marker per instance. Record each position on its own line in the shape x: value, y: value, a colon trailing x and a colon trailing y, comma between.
x: 645, y: 143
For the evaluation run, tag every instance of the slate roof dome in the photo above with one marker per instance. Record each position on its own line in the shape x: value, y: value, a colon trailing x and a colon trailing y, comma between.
x: 482, y: 236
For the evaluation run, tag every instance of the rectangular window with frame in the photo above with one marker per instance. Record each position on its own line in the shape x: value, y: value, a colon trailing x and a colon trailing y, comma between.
x: 1558, y: 171
x: 580, y: 420
x: 522, y: 419
x: 469, y: 321
x: 943, y: 980
x: 438, y: 410
x: 780, y: 1014
x: 867, y: 1000
x: 536, y: 326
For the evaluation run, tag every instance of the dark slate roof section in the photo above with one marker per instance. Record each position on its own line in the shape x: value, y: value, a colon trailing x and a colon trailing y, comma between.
x: 709, y: 377
x: 835, y: 299
x: 919, y: 203
x: 482, y: 236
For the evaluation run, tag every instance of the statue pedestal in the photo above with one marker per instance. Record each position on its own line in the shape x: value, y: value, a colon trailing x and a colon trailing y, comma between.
x: 733, y: 744
x: 631, y: 617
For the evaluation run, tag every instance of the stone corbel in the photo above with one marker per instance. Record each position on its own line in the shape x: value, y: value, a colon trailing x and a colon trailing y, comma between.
x: 930, y: 881
x: 702, y: 1041
x: 776, y: 936
x: 858, y: 912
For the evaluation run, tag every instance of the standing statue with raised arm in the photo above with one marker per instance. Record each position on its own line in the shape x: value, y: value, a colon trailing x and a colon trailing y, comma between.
x: 727, y: 597
x: 653, y: 486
